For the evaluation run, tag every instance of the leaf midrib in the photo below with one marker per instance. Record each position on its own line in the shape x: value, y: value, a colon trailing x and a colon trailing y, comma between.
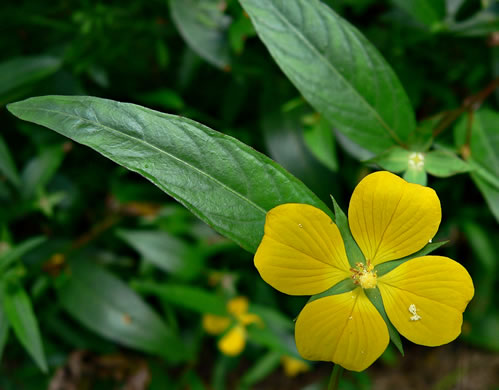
x: 104, y: 127
x: 390, y: 132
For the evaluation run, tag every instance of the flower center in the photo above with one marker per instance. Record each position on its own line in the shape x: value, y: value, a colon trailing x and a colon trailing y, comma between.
x: 364, y: 275
x: 416, y: 160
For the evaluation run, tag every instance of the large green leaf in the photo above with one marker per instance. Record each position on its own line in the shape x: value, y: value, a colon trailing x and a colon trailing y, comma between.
x: 336, y: 69
x: 106, y: 305
x: 224, y: 182
x: 204, y: 27
x: 19, y: 311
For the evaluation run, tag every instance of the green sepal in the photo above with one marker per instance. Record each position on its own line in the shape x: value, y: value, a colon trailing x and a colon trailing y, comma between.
x: 374, y: 295
x: 395, y: 159
x: 384, y: 268
x: 344, y: 286
x: 354, y: 254
x: 416, y: 176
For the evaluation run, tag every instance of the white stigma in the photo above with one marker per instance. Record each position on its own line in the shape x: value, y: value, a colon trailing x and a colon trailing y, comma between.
x: 416, y: 160
x: 412, y: 309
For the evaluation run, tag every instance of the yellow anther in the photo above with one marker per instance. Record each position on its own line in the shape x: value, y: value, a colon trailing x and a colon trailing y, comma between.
x: 364, y: 275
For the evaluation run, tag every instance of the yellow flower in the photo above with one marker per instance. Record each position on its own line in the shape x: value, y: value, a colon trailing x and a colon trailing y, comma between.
x: 233, y: 342
x: 302, y: 253
x: 293, y: 366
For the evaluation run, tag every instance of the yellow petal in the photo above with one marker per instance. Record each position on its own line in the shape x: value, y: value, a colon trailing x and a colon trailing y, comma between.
x: 390, y: 218
x: 238, y: 306
x: 293, y: 366
x: 425, y: 298
x: 213, y: 324
x: 249, y: 318
x: 232, y: 344
x: 345, y: 329
x: 302, y: 252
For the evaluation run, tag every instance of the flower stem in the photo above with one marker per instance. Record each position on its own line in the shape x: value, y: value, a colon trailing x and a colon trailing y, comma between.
x: 334, y: 381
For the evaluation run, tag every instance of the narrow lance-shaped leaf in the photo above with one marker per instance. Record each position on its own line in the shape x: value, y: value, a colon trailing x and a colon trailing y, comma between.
x: 19, y: 250
x: 221, y: 180
x: 20, y: 72
x: 19, y: 311
x: 4, y: 330
x: 336, y: 69
x: 165, y: 251
x: 484, y: 159
x: 7, y: 166
x: 428, y: 12
x: 205, y: 28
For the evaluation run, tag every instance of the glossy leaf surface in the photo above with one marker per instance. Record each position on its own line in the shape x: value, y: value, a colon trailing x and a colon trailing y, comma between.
x: 336, y: 69
x: 224, y: 182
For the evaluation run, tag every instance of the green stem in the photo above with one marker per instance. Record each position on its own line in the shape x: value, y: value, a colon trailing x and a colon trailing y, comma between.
x: 334, y: 381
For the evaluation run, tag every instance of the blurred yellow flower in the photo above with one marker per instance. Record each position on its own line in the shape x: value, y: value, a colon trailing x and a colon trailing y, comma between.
x: 233, y: 341
x: 302, y: 253
x: 293, y: 367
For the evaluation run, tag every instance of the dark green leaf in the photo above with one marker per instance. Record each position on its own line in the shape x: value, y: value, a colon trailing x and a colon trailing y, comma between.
x: 263, y: 367
x: 22, y: 319
x: 276, y: 342
x: 164, y: 97
x: 106, y: 305
x: 428, y: 12
x: 204, y: 26
x: 221, y: 180
x: 383, y: 268
x: 22, y: 71
x: 166, y: 251
x: 283, y: 135
x: 272, y: 318
x: 193, y: 381
x: 442, y: 163
x: 376, y: 299
x: 336, y: 69
x: 320, y: 140
x: 7, y: 166
x: 192, y: 298
x: 4, y: 330
x: 40, y: 170
x: 484, y: 332
x: 453, y: 6
x: 487, y: 187
x: 239, y: 30
x: 484, y: 22
x: 19, y: 250
x: 353, y: 251
x: 484, y: 147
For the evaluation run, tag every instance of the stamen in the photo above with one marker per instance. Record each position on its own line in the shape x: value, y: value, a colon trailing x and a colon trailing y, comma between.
x: 364, y: 275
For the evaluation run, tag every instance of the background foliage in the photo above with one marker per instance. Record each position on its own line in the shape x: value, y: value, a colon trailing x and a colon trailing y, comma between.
x: 104, y: 279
